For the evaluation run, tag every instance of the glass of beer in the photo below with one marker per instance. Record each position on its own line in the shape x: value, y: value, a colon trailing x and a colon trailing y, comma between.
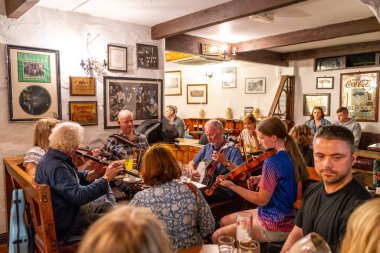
x: 128, y: 163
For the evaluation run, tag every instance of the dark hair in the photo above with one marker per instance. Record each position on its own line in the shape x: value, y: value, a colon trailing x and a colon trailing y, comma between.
x: 274, y: 126
x: 159, y: 166
x: 342, y: 109
x: 250, y: 117
x: 336, y: 132
x: 300, y: 135
x: 319, y: 108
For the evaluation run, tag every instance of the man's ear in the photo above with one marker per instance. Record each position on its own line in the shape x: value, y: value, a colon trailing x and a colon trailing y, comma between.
x: 353, y: 158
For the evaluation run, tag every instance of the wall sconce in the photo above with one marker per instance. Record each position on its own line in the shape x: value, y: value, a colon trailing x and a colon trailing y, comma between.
x: 209, y: 74
x: 91, y: 66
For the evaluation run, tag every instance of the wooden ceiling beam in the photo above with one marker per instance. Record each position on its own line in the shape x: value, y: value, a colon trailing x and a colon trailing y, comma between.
x: 216, y: 15
x: 314, y: 34
x: 17, y: 8
x: 355, y: 48
x: 188, y: 44
x: 264, y: 57
x: 192, y: 45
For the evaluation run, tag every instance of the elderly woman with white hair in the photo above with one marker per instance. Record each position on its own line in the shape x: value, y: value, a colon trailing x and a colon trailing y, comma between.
x: 70, y: 189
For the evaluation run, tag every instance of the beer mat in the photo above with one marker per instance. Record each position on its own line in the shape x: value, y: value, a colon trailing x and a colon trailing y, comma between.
x: 198, y: 185
x: 131, y: 179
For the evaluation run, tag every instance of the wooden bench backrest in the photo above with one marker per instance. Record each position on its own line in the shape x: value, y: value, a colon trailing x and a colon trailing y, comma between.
x: 314, y: 177
x: 39, y: 199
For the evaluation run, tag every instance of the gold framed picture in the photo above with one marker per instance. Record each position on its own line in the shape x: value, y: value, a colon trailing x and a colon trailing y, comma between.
x: 82, y: 86
x: 84, y: 113
x: 173, y: 83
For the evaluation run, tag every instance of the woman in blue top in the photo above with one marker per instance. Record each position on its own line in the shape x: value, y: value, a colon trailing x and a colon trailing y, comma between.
x: 317, y: 119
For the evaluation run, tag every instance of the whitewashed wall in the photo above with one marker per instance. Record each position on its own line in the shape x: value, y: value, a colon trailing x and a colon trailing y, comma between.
x: 66, y: 32
x: 218, y: 99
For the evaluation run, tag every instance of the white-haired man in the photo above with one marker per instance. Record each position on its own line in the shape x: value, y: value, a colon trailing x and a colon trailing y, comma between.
x: 70, y: 189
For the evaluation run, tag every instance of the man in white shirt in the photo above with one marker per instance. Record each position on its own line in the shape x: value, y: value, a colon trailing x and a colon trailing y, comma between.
x: 350, y: 123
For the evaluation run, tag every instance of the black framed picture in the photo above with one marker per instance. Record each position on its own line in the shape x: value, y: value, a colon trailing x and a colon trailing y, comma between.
x: 34, y: 83
x: 117, y: 58
x: 147, y: 56
x: 318, y: 99
x: 325, y: 83
x: 142, y: 96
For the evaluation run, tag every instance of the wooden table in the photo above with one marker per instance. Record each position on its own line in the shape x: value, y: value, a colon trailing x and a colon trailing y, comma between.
x: 207, y: 248
x: 374, y: 147
x: 186, y: 141
x: 368, y: 154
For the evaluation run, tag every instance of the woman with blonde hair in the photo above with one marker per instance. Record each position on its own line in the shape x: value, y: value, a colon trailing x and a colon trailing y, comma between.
x: 303, y: 137
x: 363, y: 230
x: 181, y: 207
x: 274, y: 218
x: 42, y: 132
x: 248, y: 135
x: 126, y: 229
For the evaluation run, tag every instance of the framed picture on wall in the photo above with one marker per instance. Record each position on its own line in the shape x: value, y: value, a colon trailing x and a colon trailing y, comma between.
x: 229, y: 77
x: 255, y: 85
x: 84, y: 113
x: 197, y: 93
x: 142, y: 96
x: 147, y: 56
x: 325, y: 83
x: 117, y: 58
x: 248, y: 110
x: 311, y: 100
x: 34, y: 83
x: 359, y: 92
x: 82, y: 86
x: 173, y: 83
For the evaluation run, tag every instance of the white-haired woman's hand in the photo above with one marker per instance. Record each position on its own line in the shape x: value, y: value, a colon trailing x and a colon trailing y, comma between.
x: 112, y: 171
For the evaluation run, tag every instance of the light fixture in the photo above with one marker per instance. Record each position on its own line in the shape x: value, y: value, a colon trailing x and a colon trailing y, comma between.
x: 209, y: 74
x: 228, y: 53
x: 91, y: 66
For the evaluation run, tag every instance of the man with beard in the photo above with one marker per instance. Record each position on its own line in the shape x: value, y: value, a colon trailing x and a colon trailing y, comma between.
x: 327, y: 205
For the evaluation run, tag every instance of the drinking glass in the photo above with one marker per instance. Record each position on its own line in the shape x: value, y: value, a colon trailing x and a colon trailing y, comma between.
x: 249, y: 246
x: 244, y: 227
x: 186, y: 174
x: 311, y: 243
x: 226, y: 244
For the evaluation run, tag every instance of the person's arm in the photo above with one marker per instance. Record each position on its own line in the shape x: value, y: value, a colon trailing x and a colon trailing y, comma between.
x: 294, y: 236
x: 181, y: 128
x: 30, y: 168
x: 357, y: 131
x: 205, y: 219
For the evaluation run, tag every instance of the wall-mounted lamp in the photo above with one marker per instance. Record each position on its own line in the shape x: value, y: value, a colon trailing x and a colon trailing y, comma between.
x: 209, y: 74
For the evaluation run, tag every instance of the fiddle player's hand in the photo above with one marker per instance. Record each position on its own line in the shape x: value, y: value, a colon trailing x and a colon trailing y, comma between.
x: 252, y: 181
x: 195, y: 175
x: 112, y: 171
x: 219, y: 157
x: 96, y: 152
x: 223, y: 182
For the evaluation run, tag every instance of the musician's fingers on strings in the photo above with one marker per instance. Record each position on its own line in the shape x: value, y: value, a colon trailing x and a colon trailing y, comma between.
x: 96, y: 152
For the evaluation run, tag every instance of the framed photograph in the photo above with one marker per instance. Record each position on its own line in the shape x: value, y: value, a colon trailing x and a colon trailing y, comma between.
x: 34, y: 83
x: 82, y: 86
x: 229, y: 77
x: 197, y: 93
x: 84, y: 112
x: 325, y: 83
x: 255, y: 85
x: 210, y: 49
x: 329, y: 63
x: 248, y: 110
x: 117, y: 58
x: 173, y: 83
x: 142, y: 96
x: 359, y: 92
x: 319, y: 99
x: 147, y: 56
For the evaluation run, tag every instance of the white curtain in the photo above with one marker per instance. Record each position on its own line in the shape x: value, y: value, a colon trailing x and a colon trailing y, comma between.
x: 374, y: 5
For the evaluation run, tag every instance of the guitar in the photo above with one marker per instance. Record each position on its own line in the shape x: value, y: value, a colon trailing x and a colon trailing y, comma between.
x: 206, y: 168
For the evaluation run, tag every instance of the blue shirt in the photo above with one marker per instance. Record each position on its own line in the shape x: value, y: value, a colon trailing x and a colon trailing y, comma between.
x: 311, y: 123
x: 69, y: 190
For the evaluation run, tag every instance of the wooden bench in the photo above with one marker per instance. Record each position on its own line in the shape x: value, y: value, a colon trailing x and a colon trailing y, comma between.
x: 39, y: 200
x: 302, y: 186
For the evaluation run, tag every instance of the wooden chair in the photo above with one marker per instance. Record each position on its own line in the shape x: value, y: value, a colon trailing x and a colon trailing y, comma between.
x: 302, y: 185
x: 39, y: 199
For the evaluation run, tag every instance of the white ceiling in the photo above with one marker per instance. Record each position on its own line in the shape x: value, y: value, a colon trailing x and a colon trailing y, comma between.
x: 305, y: 15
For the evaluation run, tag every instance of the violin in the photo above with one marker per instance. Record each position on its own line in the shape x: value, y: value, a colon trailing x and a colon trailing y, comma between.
x: 247, y: 167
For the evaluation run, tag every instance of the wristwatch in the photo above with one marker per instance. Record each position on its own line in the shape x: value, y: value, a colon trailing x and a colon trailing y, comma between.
x: 228, y: 164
